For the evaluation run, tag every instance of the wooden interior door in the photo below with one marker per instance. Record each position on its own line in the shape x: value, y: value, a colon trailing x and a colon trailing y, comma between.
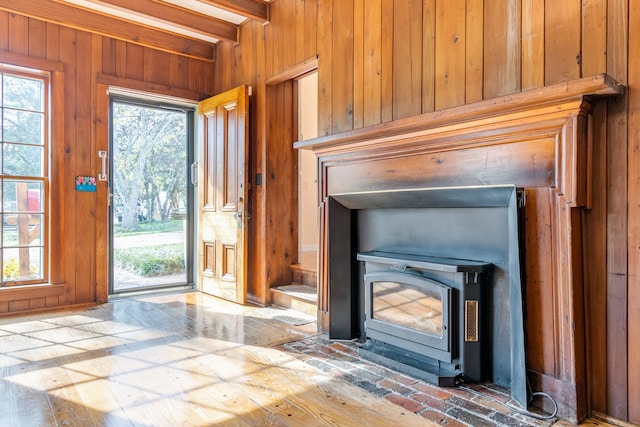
x: 223, y: 195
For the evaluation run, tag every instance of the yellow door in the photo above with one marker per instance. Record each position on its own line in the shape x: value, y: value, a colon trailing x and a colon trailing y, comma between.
x: 222, y: 194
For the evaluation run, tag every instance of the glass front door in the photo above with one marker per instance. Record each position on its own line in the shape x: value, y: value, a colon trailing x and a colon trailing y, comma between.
x: 151, y: 204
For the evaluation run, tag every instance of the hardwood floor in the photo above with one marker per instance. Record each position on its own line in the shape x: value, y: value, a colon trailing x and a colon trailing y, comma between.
x: 183, y: 359
x: 172, y: 360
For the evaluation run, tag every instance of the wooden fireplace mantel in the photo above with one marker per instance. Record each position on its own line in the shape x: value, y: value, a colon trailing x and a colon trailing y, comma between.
x: 600, y: 85
x: 539, y: 140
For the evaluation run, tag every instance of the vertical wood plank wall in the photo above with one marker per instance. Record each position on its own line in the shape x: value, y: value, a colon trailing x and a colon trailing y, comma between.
x: 85, y: 56
x: 633, y: 185
x: 381, y: 60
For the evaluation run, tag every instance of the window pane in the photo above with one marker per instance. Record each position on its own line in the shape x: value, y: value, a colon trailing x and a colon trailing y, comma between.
x: 9, y: 203
x: 23, y: 93
x: 23, y: 160
x: 22, y: 230
x: 22, y: 196
x: 22, y: 264
x: 22, y: 126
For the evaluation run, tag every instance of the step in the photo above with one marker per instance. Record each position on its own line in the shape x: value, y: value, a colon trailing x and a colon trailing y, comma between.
x: 304, y: 275
x: 296, y: 296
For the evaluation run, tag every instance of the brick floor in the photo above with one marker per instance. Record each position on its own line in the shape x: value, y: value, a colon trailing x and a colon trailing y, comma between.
x: 477, y: 405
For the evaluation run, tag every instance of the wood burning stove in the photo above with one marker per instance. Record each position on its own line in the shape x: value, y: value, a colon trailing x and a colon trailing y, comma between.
x: 428, y: 316
x: 452, y: 224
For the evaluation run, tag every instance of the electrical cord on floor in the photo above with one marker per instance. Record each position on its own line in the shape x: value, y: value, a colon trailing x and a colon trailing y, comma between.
x: 518, y: 410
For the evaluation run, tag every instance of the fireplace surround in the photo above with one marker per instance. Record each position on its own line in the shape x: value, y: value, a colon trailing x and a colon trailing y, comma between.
x: 538, y: 140
x: 462, y: 243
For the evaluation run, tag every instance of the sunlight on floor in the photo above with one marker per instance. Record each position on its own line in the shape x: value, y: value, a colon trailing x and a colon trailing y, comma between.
x: 165, y: 360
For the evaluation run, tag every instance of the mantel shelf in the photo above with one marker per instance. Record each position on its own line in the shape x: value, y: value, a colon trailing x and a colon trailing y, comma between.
x: 601, y: 85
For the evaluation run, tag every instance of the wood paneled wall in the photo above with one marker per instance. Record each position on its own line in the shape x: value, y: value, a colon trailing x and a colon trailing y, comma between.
x: 88, y: 64
x: 383, y: 60
x: 378, y: 61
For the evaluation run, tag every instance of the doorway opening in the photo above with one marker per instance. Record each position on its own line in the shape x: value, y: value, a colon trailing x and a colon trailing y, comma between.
x: 151, y: 210
x: 307, y: 172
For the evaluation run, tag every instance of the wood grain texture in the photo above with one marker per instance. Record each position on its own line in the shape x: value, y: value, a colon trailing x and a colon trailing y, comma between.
x: 594, y: 37
x: 4, y: 30
x: 450, y: 54
x: 310, y: 28
x: 386, y: 107
x: 342, y: 85
x: 223, y: 195
x: 562, y: 40
x: 298, y: 9
x: 158, y: 360
x: 18, y: 36
x: 198, y: 23
x: 82, y: 20
x: 633, y: 214
x: 502, y: 47
x: 84, y: 153
x: 428, y: 55
x: 37, y: 31
x: 52, y: 41
x: 288, y: 55
x: 256, y: 287
x: 68, y: 57
x: 372, y: 62
x: 102, y: 245
x: 277, y: 35
x: 325, y: 67
x: 474, y: 51
x: 540, y: 289
x: 281, y: 166
x: 407, y: 59
x: 595, y: 247
x: 617, y: 227
x: 120, y: 58
x: 358, y: 64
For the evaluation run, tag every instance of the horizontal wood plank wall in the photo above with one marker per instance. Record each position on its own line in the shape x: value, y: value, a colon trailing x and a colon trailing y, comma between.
x: 85, y: 56
x: 367, y: 75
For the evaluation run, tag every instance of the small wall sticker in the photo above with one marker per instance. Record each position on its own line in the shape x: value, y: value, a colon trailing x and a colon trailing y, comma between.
x: 86, y: 183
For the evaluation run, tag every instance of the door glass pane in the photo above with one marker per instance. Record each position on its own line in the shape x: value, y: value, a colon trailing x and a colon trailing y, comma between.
x: 149, y: 182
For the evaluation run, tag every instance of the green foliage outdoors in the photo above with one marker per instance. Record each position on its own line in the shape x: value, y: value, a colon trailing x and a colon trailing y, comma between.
x: 147, y: 261
x: 159, y: 260
x: 147, y: 227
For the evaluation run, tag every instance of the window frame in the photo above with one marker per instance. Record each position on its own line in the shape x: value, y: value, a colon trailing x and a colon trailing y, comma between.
x: 43, y: 178
x: 51, y: 294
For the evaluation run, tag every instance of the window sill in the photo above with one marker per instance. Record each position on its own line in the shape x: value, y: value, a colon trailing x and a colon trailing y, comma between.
x: 16, y: 293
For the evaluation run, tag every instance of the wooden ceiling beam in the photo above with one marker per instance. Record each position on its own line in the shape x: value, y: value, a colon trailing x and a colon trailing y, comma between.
x: 162, y: 12
x: 80, y: 19
x: 257, y: 10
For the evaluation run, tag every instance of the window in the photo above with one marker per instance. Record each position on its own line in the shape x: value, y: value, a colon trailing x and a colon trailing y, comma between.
x: 23, y: 180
